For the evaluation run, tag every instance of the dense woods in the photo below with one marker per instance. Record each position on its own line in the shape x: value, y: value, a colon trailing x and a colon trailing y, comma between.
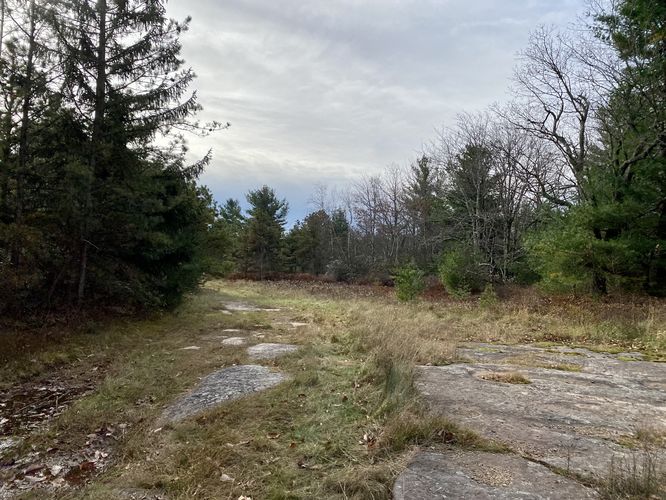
x: 96, y: 200
x: 564, y: 185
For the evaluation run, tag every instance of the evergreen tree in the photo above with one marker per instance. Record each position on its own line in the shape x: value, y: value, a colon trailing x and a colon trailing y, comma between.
x: 123, y: 70
x: 309, y: 244
x: 265, y: 229
x: 92, y: 203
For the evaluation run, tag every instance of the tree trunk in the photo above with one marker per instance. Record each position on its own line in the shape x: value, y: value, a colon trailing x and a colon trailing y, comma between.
x: 2, y: 24
x: 98, y: 121
x: 23, y: 136
x: 7, y: 125
x: 599, y: 281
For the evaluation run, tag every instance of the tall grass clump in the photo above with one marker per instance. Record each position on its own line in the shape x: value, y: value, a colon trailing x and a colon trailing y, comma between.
x: 641, y: 476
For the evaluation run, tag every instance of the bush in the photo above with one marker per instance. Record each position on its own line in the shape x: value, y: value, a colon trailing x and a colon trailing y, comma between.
x: 461, y: 273
x: 347, y: 270
x: 409, y: 282
x: 488, y: 297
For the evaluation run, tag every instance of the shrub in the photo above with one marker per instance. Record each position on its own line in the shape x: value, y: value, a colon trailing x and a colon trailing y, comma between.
x: 461, y: 273
x: 347, y: 270
x: 409, y: 282
x: 488, y: 297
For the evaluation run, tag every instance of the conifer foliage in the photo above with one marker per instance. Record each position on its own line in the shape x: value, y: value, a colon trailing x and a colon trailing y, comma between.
x: 96, y: 198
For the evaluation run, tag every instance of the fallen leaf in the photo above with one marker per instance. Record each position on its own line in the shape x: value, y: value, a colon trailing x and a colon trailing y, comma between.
x: 273, y: 435
x: 58, y: 483
x: 369, y: 440
x: 56, y: 469
x: 226, y: 478
x: 87, y: 466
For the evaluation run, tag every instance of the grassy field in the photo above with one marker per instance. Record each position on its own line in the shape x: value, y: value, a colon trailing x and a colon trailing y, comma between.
x: 347, y: 420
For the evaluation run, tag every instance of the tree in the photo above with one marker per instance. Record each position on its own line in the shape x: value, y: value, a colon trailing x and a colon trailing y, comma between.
x: 632, y: 160
x: 265, y: 227
x: 123, y: 72
x: 309, y: 243
x: 96, y: 198
x: 423, y: 205
x: 619, y: 148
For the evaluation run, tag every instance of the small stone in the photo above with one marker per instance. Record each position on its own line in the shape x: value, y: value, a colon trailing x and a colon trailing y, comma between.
x: 270, y: 351
x: 243, y: 307
x: 235, y: 341
x: 191, y: 348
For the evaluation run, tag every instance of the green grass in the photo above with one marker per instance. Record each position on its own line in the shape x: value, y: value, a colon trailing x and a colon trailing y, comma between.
x: 344, y: 424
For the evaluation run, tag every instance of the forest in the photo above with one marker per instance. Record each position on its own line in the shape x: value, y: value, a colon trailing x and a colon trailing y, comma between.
x: 563, y: 186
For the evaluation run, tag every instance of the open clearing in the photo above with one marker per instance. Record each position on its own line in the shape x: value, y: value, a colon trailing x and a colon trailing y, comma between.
x: 279, y: 390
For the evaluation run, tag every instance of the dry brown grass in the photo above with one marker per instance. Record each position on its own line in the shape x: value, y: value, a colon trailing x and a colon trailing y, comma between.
x: 614, y: 324
x: 505, y: 377
x: 535, y: 361
x: 343, y: 426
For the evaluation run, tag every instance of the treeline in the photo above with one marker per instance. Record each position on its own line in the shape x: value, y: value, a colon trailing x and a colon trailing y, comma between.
x: 97, y: 202
x: 565, y: 185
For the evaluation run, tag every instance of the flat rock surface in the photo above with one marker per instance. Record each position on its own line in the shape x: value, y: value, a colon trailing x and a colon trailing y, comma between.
x: 245, y: 307
x: 235, y: 341
x: 574, y: 420
x: 223, y: 385
x: 270, y: 351
x: 478, y: 475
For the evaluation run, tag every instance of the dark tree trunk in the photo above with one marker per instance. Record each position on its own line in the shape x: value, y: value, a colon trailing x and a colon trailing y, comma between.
x: 23, y: 136
x: 2, y: 23
x: 98, y: 121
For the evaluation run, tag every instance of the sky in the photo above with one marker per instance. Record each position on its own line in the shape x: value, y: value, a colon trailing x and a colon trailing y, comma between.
x: 322, y: 92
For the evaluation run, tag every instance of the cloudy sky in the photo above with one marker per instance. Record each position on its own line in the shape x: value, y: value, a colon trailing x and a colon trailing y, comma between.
x: 324, y: 91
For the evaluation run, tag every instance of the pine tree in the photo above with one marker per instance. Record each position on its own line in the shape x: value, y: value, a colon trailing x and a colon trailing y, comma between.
x: 265, y: 228
x: 123, y: 72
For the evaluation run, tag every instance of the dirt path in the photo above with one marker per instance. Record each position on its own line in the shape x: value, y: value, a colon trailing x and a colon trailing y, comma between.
x: 29, y: 410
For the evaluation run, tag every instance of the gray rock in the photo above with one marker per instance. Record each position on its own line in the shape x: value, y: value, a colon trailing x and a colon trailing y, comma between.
x: 244, y: 307
x: 270, y: 351
x: 478, y: 475
x: 235, y: 341
x: 224, y: 385
x: 586, y: 360
x: 138, y: 494
x: 570, y: 420
x: 7, y: 443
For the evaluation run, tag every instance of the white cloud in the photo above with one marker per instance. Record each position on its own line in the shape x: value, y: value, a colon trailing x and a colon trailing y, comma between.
x: 325, y: 90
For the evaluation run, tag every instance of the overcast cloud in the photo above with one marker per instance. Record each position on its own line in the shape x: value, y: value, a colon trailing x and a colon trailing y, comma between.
x: 323, y: 91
